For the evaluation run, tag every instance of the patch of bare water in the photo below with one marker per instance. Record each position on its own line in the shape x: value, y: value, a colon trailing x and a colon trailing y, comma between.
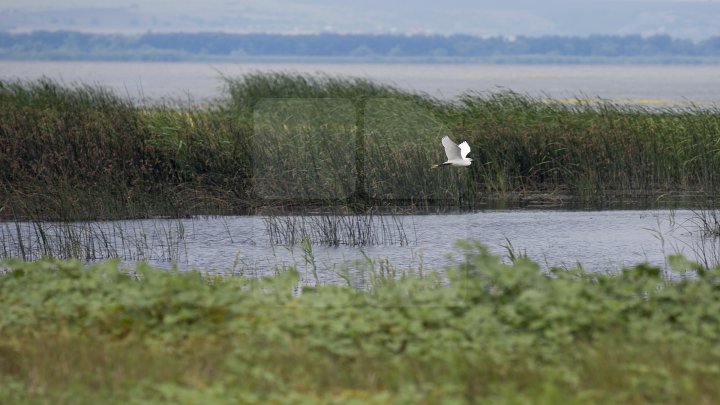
x: 654, y: 85
x: 243, y: 245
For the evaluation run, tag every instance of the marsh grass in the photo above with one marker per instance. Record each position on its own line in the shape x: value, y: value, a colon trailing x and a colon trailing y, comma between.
x: 708, y: 221
x: 74, y: 152
x: 704, y: 230
x: 593, y: 149
x: 93, y: 241
x: 304, y: 149
x: 334, y: 229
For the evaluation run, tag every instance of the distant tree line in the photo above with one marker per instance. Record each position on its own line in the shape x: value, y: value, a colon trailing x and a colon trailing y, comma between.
x: 173, y: 46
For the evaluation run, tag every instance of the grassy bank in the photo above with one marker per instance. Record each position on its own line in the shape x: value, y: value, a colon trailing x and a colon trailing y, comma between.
x: 497, y: 333
x: 285, y: 140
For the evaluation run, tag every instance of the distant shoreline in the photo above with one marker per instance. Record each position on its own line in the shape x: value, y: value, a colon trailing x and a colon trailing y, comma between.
x: 356, y: 48
x: 499, y: 60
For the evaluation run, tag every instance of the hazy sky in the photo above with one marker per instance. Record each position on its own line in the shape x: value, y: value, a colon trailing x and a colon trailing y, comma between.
x: 695, y: 19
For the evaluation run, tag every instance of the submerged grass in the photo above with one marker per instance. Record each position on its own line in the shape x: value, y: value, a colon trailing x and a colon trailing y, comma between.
x: 93, y: 241
x: 333, y: 229
x: 291, y: 140
x: 493, y: 332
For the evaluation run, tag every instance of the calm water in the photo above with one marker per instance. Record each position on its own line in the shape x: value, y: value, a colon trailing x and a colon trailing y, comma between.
x: 598, y: 240
x: 198, y: 82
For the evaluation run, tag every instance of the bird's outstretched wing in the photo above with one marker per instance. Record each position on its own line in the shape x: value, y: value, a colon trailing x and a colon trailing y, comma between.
x: 464, y: 149
x: 451, y: 149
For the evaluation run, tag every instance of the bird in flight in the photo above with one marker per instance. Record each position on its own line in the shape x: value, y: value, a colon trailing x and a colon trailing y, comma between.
x: 455, y: 153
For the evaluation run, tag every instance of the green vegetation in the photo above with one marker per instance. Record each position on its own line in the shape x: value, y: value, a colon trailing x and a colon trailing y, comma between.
x: 293, y: 141
x: 491, y: 333
x: 481, y: 331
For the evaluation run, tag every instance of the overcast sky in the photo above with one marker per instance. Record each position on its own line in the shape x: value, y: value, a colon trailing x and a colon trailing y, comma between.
x: 695, y: 19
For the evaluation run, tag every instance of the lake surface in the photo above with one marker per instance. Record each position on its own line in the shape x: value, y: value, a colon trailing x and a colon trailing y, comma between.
x: 597, y: 240
x: 656, y: 85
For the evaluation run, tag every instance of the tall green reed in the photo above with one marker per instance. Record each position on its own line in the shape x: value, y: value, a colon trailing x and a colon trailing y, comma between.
x: 296, y: 141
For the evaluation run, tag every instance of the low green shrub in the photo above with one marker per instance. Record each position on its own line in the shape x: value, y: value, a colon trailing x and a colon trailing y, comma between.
x: 487, y: 331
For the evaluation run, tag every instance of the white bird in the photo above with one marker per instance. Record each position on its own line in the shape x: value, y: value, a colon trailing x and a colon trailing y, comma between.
x: 455, y: 153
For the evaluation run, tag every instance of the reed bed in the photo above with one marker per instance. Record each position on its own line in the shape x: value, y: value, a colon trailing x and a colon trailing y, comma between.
x: 93, y: 241
x: 75, y: 152
x: 335, y: 230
